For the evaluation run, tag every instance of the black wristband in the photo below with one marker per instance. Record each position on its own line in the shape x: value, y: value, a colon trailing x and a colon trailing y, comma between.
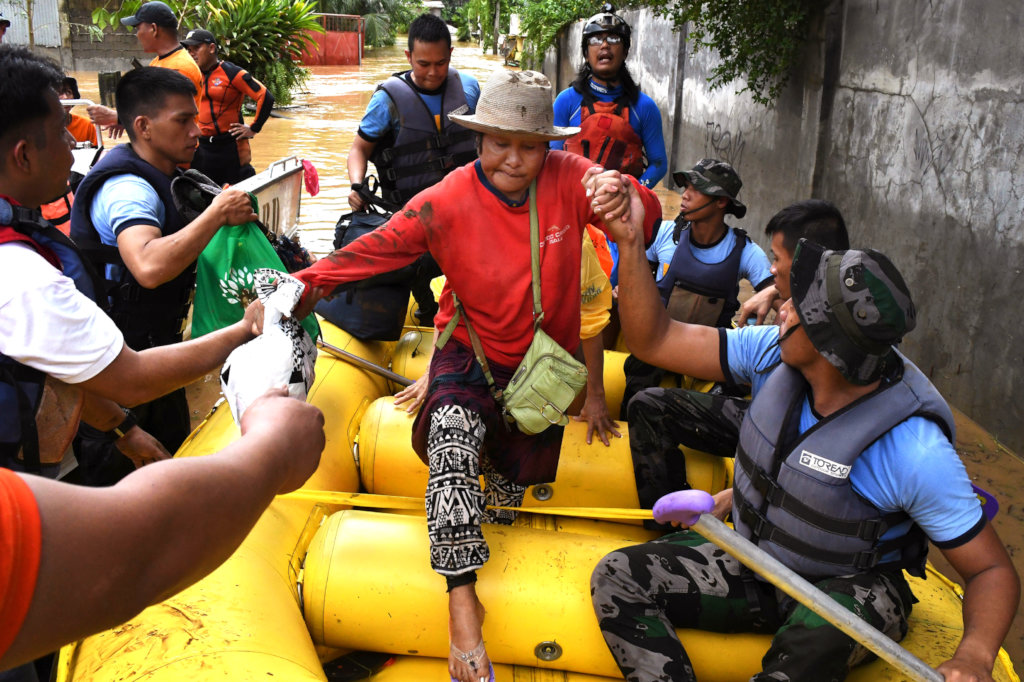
x: 130, y: 421
x: 356, y: 186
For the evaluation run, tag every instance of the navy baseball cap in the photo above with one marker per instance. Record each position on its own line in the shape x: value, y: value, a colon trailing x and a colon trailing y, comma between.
x: 199, y: 36
x: 155, y: 12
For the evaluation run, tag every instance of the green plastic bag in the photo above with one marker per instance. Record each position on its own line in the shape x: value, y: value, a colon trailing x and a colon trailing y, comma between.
x: 224, y: 278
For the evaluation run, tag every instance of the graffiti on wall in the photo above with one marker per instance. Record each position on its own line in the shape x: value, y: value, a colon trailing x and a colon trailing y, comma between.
x: 722, y: 143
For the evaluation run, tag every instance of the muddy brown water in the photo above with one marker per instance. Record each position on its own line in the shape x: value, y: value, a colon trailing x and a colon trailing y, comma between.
x: 320, y: 126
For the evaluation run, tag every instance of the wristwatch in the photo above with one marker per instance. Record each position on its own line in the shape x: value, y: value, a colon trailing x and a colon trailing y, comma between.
x: 130, y: 421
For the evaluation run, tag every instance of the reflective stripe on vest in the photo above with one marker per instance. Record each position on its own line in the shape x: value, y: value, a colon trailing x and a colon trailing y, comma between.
x: 419, y: 157
x: 146, y: 316
x: 790, y: 487
x: 705, y: 280
x: 607, y: 138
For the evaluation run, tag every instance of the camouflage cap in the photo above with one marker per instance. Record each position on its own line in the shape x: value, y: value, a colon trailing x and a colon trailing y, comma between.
x: 853, y: 305
x: 714, y: 178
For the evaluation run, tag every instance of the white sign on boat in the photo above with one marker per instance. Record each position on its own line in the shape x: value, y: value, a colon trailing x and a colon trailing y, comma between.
x: 279, y: 192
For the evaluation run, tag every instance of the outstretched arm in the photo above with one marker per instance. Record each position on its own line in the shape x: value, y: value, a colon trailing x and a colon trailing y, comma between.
x: 648, y: 331
x: 160, y: 529
x: 991, y: 595
x: 134, y: 377
x: 154, y: 258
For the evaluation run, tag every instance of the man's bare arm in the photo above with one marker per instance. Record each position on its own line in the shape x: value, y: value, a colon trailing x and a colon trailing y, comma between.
x: 991, y: 596
x: 649, y: 332
x: 154, y: 258
x: 134, y: 377
x: 358, y: 157
x: 160, y: 529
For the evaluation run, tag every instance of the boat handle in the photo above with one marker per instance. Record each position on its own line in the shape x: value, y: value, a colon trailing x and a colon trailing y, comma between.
x: 281, y: 162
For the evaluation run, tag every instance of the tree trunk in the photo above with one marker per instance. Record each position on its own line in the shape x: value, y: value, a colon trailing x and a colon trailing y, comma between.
x: 497, y: 21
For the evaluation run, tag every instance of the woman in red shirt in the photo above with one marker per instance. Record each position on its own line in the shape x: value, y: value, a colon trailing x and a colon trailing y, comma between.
x: 476, y: 225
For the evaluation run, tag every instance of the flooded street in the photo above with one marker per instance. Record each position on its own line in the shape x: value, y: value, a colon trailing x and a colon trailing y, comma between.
x: 320, y: 126
x: 322, y: 121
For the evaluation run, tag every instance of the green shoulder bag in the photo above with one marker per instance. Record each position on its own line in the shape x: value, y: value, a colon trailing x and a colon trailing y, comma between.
x: 548, y: 378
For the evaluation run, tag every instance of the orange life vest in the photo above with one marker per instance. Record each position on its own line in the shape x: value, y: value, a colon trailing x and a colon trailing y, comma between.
x: 607, y: 138
x: 58, y: 211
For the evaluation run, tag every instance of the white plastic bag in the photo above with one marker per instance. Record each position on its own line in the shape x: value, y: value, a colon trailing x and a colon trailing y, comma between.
x: 283, y: 355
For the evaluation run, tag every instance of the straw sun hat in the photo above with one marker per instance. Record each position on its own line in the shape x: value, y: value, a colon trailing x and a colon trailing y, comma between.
x: 515, y: 103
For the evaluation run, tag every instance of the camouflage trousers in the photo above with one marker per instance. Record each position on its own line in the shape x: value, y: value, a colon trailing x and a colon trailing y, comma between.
x: 662, y: 419
x: 455, y: 503
x: 642, y: 593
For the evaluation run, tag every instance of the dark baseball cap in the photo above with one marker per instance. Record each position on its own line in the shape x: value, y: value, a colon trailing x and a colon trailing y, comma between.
x: 4, y: 21
x: 199, y: 36
x: 854, y: 306
x: 714, y: 178
x: 155, y: 12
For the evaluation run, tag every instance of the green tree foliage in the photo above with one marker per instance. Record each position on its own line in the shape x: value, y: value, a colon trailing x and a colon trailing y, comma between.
x: 265, y: 37
x: 543, y: 20
x: 381, y: 18
x: 758, y: 42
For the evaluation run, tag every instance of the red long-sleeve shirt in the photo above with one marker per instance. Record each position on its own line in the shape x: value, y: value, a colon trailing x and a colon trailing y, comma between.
x: 483, y: 247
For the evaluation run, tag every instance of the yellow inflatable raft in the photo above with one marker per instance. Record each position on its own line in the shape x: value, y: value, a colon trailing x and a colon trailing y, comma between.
x: 313, y: 580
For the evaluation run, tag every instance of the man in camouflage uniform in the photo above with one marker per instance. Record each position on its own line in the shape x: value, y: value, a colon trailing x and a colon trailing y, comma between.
x: 662, y: 419
x: 845, y: 469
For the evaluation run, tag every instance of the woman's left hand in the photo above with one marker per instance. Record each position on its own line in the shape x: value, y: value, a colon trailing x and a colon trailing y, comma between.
x: 414, y: 393
x: 595, y: 413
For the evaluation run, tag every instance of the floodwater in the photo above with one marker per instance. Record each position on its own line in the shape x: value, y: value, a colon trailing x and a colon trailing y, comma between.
x: 320, y: 126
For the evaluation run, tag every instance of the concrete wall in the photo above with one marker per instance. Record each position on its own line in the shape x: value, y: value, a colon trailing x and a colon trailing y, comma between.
x: 903, y: 114
x: 113, y: 53
x: 924, y: 153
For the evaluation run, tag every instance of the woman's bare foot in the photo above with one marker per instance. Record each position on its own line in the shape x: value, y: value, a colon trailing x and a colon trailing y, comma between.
x: 467, y: 658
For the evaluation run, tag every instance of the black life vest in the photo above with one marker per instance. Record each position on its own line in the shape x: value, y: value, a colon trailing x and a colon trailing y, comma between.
x: 703, y: 293
x: 21, y: 386
x: 419, y: 156
x: 147, y: 317
x: 607, y: 138
x: 792, y: 493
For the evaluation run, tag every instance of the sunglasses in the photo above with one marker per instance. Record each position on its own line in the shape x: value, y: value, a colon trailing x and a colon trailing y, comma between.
x: 611, y: 39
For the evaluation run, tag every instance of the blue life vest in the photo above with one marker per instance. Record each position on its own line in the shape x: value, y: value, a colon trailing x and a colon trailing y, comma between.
x: 419, y: 156
x: 792, y: 493
x: 703, y: 293
x: 147, y: 317
x: 21, y: 386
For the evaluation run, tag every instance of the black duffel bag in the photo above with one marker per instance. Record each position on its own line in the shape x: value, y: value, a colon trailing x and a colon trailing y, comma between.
x: 372, y: 309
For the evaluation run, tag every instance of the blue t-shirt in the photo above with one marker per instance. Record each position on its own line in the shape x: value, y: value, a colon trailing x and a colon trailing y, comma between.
x: 123, y: 201
x: 754, y: 265
x: 644, y: 117
x: 913, y: 467
x: 381, y: 115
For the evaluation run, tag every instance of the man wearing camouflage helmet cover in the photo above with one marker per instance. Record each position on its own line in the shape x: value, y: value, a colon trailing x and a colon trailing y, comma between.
x: 699, y: 260
x: 843, y: 432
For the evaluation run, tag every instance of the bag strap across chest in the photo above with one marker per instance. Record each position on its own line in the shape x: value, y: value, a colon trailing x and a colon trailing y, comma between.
x: 538, y: 310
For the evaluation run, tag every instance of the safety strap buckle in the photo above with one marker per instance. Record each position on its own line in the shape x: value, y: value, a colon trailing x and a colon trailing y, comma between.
x: 871, y: 529
x: 866, y: 560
